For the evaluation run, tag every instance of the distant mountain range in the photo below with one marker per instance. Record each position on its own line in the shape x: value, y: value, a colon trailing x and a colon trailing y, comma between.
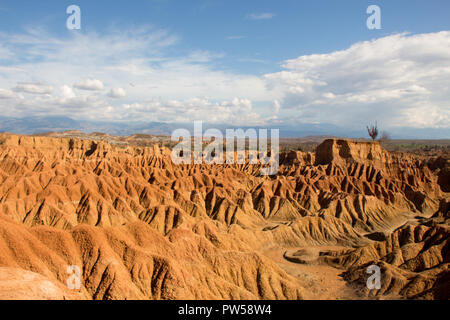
x: 32, y: 125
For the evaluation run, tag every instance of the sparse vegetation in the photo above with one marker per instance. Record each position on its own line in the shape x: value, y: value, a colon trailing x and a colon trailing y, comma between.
x: 373, y: 131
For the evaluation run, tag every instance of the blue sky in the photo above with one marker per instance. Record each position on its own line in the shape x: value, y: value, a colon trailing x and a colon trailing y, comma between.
x: 298, y: 27
x: 227, y: 61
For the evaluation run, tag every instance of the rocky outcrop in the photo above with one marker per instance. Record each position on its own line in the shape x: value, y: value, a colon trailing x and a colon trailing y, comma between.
x: 340, y: 151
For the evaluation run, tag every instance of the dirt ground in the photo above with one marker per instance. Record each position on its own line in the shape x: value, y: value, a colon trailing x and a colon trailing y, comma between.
x: 321, y: 282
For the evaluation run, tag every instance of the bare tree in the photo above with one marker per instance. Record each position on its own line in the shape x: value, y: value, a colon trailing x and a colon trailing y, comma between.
x: 373, y: 131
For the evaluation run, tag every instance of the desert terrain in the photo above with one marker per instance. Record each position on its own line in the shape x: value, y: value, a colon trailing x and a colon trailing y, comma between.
x: 140, y: 227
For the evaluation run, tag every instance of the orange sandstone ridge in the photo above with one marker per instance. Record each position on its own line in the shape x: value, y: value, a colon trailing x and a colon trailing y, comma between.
x: 140, y: 227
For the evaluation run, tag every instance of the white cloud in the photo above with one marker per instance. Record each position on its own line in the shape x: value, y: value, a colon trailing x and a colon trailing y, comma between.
x: 7, y: 94
x: 90, y: 85
x: 135, y: 61
x: 67, y: 92
x: 117, y: 93
x: 89, y: 107
x: 237, y: 111
x: 393, y: 79
x: 260, y: 16
x: 399, y: 80
x: 33, y: 88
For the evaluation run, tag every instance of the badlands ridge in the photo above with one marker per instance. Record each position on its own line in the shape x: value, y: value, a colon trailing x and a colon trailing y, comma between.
x: 140, y: 227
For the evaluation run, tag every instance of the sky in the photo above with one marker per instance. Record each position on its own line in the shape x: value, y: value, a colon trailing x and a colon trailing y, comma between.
x: 224, y: 61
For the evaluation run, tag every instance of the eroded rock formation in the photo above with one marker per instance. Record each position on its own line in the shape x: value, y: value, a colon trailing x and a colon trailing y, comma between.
x: 141, y: 227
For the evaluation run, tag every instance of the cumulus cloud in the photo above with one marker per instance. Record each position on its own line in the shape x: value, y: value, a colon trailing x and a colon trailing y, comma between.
x: 67, y: 92
x: 89, y: 107
x: 117, y: 93
x: 90, y: 85
x: 394, y: 79
x: 33, y: 88
x: 135, y: 61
